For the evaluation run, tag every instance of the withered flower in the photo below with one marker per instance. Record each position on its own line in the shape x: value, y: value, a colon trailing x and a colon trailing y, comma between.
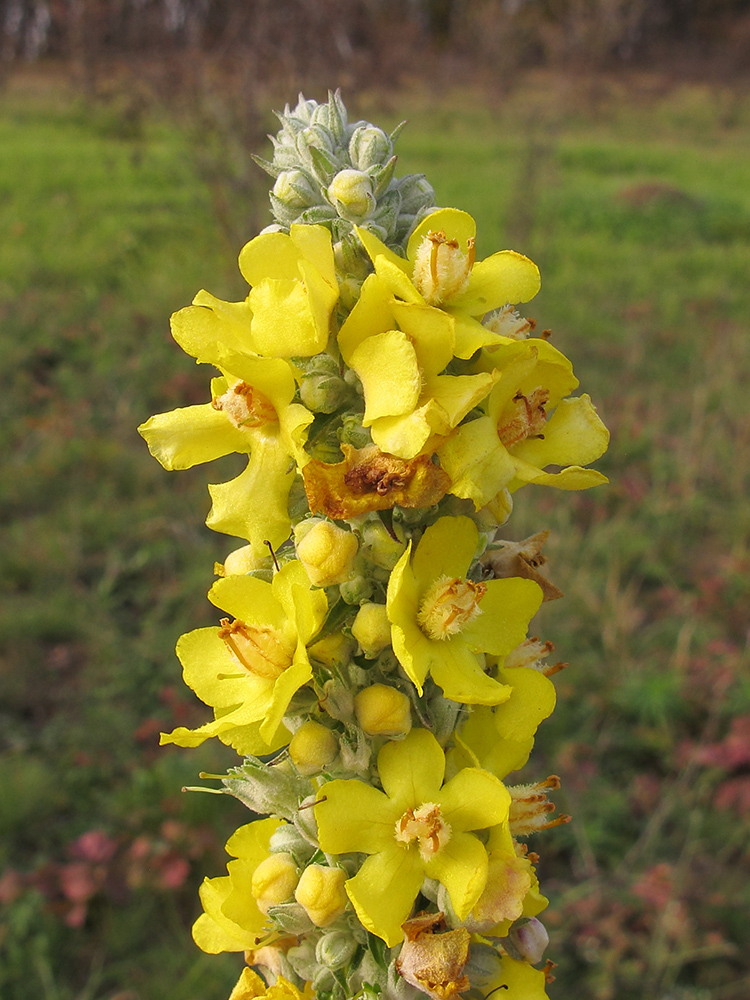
x: 522, y: 559
x: 369, y: 479
x: 433, y: 959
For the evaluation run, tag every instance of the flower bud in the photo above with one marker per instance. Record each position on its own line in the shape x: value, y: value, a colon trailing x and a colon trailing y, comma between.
x: 369, y: 146
x: 371, y: 629
x: 351, y: 194
x: 333, y: 651
x: 326, y: 551
x: 530, y: 939
x: 356, y: 590
x: 274, y: 881
x: 242, y: 561
x: 287, y: 839
x: 336, y: 949
x: 379, y: 547
x: 321, y: 892
x: 323, y: 393
x: 383, y: 711
x: 294, y: 189
x: 312, y: 747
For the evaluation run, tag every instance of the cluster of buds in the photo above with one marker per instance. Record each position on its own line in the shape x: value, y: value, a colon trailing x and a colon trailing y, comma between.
x: 330, y: 172
x: 372, y: 668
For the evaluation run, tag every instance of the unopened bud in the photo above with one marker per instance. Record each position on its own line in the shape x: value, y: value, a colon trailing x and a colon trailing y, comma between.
x: 321, y: 892
x: 382, y: 710
x: 312, y: 747
x: 351, y: 194
x: 243, y: 561
x: 274, y: 881
x: 530, y: 939
x: 356, y: 590
x: 380, y: 547
x: 295, y: 189
x: 369, y: 146
x: 326, y: 551
x: 287, y: 839
x: 323, y: 393
x: 336, y: 949
x: 371, y: 629
x: 334, y: 651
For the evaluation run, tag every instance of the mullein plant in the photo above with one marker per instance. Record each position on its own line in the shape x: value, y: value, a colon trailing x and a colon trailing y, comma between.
x: 372, y: 665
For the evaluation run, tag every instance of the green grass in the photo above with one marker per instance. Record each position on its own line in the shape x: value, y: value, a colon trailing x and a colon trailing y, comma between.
x: 637, y: 210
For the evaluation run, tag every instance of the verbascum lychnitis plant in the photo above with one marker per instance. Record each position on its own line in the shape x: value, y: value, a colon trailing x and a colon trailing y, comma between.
x: 372, y: 665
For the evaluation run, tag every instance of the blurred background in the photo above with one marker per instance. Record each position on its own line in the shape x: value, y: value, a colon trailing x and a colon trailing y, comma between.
x: 607, y: 139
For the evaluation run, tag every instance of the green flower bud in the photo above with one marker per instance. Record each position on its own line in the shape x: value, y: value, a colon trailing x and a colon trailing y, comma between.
x: 351, y: 193
x: 335, y: 950
x: 369, y: 146
x: 324, y: 393
x: 286, y: 839
x: 295, y: 189
x: 379, y: 547
x: 357, y: 590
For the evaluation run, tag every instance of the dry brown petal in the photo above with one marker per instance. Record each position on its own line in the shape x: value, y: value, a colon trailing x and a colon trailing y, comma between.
x: 434, y: 962
x: 369, y: 480
x: 522, y: 559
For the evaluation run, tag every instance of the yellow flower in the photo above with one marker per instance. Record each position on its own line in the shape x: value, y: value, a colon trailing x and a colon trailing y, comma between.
x: 252, y: 413
x: 398, y: 350
x: 516, y: 440
x: 500, y: 739
x: 440, y: 271
x: 416, y: 828
x: 294, y: 290
x: 232, y: 920
x: 440, y: 620
x: 248, y: 669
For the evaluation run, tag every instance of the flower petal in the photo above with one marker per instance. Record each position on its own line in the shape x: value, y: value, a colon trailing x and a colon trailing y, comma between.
x: 254, y: 505
x: 478, y: 464
x: 456, y: 225
x: 456, y: 670
x: 461, y: 866
x: 411, y: 770
x: 445, y: 549
x: 191, y: 435
x: 474, y: 800
x: 384, y: 889
x: 372, y: 314
x: 249, y: 599
x: 507, y: 608
x: 387, y: 365
x: 573, y: 435
x: 505, y: 277
x: 353, y: 816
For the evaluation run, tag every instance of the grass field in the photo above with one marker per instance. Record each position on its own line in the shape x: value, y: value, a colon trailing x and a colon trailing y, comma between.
x: 635, y: 203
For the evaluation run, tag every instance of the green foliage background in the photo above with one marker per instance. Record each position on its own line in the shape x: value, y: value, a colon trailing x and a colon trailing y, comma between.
x: 635, y: 203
